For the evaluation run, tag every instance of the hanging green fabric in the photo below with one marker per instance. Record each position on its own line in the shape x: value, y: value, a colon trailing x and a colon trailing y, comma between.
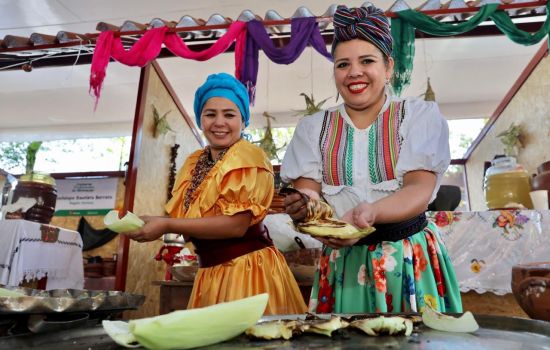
x: 434, y: 27
x: 404, y: 26
x: 505, y: 24
x: 403, y: 53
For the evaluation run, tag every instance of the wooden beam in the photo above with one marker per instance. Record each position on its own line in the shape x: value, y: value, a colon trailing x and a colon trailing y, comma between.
x: 140, y: 30
x: 178, y: 103
x: 131, y: 176
x: 541, y: 53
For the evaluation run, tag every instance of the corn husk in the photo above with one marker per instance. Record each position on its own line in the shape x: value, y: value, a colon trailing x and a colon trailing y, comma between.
x: 6, y: 293
x: 186, y: 329
x: 130, y: 222
x: 440, y: 322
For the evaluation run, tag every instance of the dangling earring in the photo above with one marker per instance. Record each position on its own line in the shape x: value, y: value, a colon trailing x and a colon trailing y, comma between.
x: 388, y: 87
x: 337, y: 96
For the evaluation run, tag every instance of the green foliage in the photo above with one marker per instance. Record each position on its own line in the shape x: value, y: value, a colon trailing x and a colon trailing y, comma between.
x: 267, y: 143
x: 311, y: 106
x: 32, y: 149
x: 161, y: 123
x: 511, y: 139
x: 465, y: 141
x: 12, y: 154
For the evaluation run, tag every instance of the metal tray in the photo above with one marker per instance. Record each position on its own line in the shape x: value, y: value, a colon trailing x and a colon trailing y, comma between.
x: 496, y: 332
x: 37, y: 301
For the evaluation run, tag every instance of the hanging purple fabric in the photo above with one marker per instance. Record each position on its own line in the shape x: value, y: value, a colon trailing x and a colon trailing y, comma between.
x: 303, y: 31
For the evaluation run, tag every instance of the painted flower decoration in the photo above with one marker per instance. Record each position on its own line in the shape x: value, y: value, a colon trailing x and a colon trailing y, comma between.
x: 511, y: 222
x: 379, y: 275
x: 362, y: 275
x: 431, y: 301
x: 419, y: 260
x: 477, y: 265
x: 445, y: 218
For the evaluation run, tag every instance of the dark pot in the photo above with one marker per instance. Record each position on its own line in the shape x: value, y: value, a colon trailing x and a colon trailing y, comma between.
x: 531, y: 288
x: 541, y: 181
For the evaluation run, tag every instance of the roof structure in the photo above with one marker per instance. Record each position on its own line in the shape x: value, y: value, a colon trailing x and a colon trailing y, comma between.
x: 20, y: 51
x: 470, y: 74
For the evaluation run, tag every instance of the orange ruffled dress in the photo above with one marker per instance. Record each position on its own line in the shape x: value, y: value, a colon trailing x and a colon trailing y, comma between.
x: 241, y: 181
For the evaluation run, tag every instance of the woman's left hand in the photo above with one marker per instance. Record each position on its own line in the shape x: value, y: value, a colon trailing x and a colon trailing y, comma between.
x: 154, y: 228
x: 337, y: 243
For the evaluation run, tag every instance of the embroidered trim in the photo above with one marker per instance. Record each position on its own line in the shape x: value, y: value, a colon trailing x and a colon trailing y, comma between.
x: 336, y: 146
x: 68, y: 243
x: 385, y: 143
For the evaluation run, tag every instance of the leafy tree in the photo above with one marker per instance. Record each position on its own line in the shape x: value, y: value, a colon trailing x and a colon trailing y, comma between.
x: 12, y: 155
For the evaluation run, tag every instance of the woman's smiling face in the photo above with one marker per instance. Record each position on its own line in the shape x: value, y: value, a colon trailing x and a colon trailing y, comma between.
x: 222, y: 123
x: 360, y: 73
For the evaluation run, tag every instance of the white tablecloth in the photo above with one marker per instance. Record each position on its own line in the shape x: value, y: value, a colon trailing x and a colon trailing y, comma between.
x: 30, y: 250
x: 485, y: 245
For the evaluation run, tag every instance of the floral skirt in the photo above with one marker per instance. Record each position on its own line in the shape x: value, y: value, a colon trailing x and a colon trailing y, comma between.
x: 400, y: 276
x: 262, y: 271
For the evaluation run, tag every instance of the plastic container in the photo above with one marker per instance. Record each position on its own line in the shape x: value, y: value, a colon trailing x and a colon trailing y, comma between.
x: 507, y: 185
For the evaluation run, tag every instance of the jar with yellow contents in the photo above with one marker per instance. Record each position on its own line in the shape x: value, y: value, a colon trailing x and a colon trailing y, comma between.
x: 507, y: 185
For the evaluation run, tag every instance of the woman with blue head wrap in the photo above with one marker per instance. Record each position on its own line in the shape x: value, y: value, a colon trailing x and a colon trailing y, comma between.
x: 220, y: 197
x: 377, y: 160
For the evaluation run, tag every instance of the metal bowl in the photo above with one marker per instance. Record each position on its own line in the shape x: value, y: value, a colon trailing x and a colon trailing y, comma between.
x: 173, y: 239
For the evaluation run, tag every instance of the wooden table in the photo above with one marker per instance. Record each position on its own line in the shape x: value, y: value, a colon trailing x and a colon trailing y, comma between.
x: 174, y: 295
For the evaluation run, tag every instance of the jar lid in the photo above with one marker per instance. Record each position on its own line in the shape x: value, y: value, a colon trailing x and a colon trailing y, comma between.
x: 38, y: 177
x: 503, y: 161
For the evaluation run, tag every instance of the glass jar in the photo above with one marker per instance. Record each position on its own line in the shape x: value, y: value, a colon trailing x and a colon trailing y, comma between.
x: 507, y: 185
x: 41, y: 189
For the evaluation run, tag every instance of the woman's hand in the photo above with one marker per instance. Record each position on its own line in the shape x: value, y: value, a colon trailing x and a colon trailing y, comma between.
x: 337, y: 243
x: 154, y: 228
x: 363, y: 215
x: 296, y: 206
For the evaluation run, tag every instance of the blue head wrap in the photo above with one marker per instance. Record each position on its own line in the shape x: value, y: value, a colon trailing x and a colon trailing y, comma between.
x: 222, y: 85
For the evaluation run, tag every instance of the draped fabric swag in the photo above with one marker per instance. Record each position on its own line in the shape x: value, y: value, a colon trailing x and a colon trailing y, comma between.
x: 250, y: 37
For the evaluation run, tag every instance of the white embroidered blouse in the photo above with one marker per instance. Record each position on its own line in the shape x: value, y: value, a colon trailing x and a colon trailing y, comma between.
x: 420, y: 142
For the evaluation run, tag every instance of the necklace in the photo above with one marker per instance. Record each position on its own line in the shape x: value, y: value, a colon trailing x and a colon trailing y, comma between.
x: 202, y: 168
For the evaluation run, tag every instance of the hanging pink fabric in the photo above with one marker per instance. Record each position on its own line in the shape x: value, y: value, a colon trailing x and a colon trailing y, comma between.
x: 148, y: 47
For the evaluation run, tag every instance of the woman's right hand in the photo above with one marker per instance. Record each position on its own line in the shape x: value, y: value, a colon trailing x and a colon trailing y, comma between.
x: 296, y: 206
x: 154, y: 228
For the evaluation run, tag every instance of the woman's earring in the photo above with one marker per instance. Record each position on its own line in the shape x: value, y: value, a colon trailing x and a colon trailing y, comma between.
x: 389, y: 88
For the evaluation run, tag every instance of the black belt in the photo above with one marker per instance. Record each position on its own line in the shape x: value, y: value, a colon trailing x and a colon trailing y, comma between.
x: 395, y: 231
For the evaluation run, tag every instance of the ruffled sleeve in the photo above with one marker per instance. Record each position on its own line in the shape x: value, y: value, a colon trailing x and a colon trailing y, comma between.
x: 302, y: 157
x: 246, y: 189
x: 425, y: 141
x: 245, y: 182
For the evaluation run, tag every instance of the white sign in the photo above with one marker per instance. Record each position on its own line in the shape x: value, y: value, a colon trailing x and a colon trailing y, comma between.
x: 85, y: 196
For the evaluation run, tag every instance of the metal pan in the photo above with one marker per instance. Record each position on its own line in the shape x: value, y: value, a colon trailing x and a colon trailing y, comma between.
x: 495, y: 333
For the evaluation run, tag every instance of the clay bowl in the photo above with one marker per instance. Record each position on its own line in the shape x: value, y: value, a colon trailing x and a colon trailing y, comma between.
x: 531, y: 288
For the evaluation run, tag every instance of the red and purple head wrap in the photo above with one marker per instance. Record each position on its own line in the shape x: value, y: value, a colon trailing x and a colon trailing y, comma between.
x: 365, y: 23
